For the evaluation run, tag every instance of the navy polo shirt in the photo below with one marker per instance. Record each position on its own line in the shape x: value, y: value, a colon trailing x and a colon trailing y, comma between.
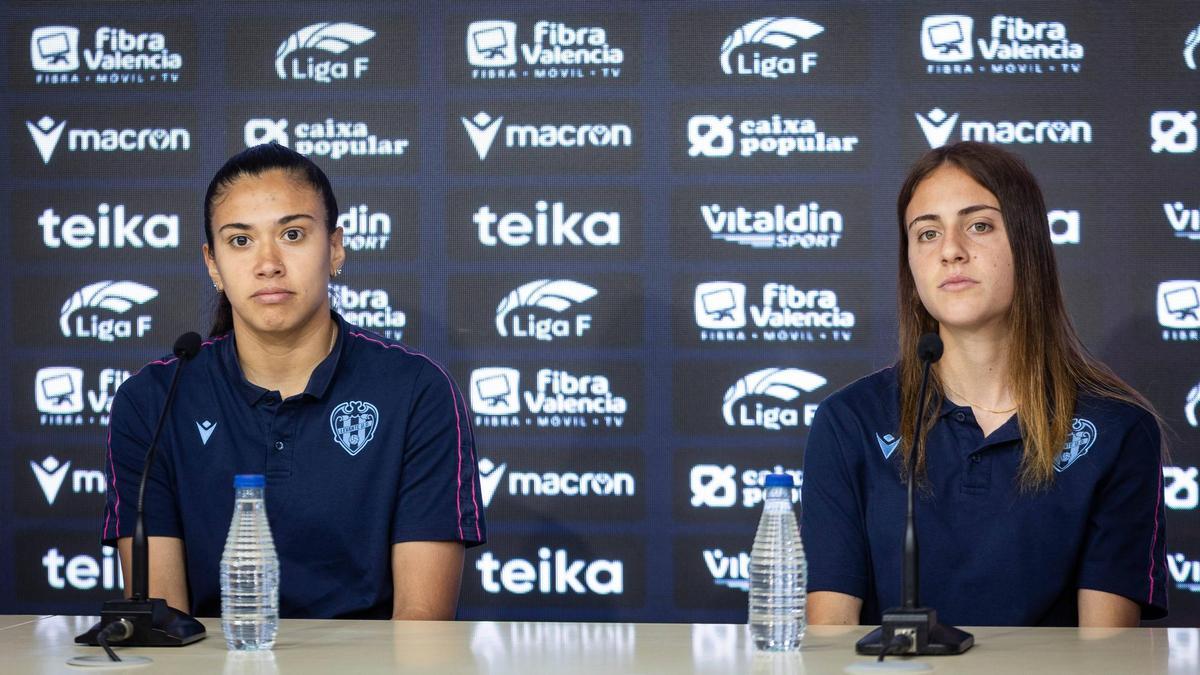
x: 377, y: 450
x: 991, y: 554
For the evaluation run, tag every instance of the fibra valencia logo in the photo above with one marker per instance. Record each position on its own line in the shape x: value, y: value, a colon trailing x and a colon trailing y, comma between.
x: 1180, y: 489
x: 117, y: 57
x: 1179, y: 310
x: 771, y: 385
x: 80, y: 316
x: 741, y: 55
x: 354, y: 424
x: 938, y: 126
x: 521, y: 313
x: 1013, y: 45
x: 369, y: 308
x: 557, y: 399
x: 332, y: 38
x: 554, y: 51
x: 1083, y: 436
x: 62, y: 398
x: 779, y: 313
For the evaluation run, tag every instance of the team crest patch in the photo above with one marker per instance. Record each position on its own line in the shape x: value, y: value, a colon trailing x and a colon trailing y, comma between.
x: 1083, y: 435
x: 353, y: 424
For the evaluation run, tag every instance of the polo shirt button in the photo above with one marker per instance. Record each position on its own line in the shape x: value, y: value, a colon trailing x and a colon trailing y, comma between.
x: 960, y: 417
x: 975, y: 459
x: 278, y: 445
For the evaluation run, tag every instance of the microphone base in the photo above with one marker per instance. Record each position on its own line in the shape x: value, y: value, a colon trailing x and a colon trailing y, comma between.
x: 927, y: 636
x: 155, y: 624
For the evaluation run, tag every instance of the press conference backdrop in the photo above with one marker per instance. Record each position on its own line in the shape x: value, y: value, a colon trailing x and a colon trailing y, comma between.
x: 647, y: 238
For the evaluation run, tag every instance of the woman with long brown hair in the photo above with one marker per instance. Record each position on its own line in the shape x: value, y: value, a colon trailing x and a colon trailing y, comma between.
x: 1040, y: 471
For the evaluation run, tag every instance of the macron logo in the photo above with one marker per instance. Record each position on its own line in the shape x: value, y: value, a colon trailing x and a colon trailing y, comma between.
x: 482, y: 129
x: 334, y: 38
x: 557, y: 295
x: 489, y: 478
x: 784, y: 384
x: 45, y: 135
x: 117, y: 296
x: 937, y: 126
x: 50, y: 475
x: 206, y: 430
x: 782, y: 32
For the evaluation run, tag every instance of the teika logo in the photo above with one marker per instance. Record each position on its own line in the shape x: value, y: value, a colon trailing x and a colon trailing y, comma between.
x: 938, y: 126
x: 334, y: 38
x: 784, y: 384
x: 111, y: 227
x: 550, y: 225
x: 83, y: 572
x: 50, y: 474
x: 556, y: 295
x: 554, y: 573
x: 115, y: 296
x: 1180, y: 490
x: 778, y: 32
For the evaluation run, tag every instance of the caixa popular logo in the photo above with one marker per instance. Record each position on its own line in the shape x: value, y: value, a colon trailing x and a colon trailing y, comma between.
x: 1173, y: 132
x: 329, y: 138
x: 1180, y: 489
x: 64, y: 398
x: 756, y: 400
x: 939, y: 126
x: 116, y: 56
x: 804, y: 226
x: 323, y: 53
x: 1006, y: 45
x: 369, y: 308
x: 1179, y: 310
x: 723, y: 486
x: 554, y: 50
x: 1184, y: 220
x: 764, y: 48
x: 46, y: 133
x: 721, y: 136
x: 545, y: 310
x: 560, y: 484
x: 550, y: 224
x: 777, y: 313
x: 552, y: 572
x: 101, y: 311
x: 1184, y: 571
x: 558, y: 399
x: 111, y: 226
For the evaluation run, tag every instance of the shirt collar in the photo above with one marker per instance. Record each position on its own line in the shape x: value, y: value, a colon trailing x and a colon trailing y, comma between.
x: 318, y: 382
x: 1009, y: 431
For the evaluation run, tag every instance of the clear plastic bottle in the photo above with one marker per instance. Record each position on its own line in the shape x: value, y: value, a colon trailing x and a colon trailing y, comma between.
x: 249, y: 571
x: 778, y: 572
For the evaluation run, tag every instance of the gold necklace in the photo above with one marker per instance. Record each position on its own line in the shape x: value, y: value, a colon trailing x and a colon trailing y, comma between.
x: 975, y: 405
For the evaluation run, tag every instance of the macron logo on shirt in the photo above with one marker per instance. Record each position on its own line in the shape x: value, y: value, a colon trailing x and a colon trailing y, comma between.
x: 206, y: 430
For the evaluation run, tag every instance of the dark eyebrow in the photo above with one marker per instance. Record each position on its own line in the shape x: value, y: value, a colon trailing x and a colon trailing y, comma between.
x: 282, y: 221
x: 966, y: 211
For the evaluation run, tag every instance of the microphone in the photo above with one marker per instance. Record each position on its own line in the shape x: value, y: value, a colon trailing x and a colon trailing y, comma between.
x: 910, y: 628
x: 142, y: 621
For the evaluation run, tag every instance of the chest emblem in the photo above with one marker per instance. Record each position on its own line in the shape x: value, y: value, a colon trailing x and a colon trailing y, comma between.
x: 206, y: 430
x: 353, y: 424
x: 1083, y: 435
x: 887, y: 443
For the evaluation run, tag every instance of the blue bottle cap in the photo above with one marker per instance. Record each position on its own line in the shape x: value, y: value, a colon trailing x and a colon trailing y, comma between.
x: 779, y: 480
x: 249, y: 480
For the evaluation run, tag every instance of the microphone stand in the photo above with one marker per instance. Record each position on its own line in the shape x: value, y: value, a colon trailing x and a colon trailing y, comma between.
x: 142, y: 621
x: 911, y: 629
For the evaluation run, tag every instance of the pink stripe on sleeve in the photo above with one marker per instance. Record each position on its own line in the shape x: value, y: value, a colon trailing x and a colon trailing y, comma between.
x: 1154, y: 539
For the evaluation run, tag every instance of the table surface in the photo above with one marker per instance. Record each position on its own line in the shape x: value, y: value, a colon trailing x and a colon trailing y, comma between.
x: 32, y: 644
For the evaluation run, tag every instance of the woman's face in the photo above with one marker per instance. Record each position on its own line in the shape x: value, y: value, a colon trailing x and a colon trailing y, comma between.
x: 958, y: 251
x: 272, y: 253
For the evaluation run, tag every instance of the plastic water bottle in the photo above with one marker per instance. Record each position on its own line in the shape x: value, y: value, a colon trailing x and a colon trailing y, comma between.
x: 249, y: 571
x: 778, y: 572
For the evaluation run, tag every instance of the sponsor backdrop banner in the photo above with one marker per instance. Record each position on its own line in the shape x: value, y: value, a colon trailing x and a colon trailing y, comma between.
x: 647, y: 239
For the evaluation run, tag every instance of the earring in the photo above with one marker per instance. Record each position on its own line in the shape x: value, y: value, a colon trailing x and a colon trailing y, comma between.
x: 216, y: 286
x: 337, y: 272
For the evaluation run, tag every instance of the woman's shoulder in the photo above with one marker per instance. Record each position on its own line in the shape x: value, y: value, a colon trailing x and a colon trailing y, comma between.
x: 389, y: 355
x: 1115, y: 414
x: 868, y: 395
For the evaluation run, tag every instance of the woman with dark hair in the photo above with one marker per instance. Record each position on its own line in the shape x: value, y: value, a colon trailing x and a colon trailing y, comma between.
x: 366, y: 445
x: 1039, y: 482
